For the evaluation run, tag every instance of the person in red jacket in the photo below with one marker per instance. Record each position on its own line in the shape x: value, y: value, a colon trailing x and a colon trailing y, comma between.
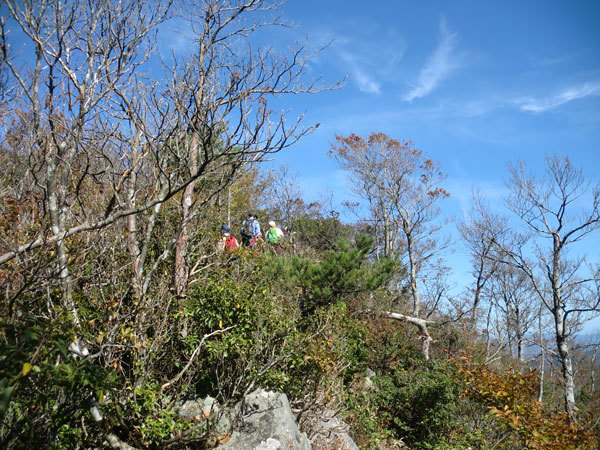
x: 228, y: 242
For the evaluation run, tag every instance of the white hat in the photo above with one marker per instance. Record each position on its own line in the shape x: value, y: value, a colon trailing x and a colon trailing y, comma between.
x: 271, y: 223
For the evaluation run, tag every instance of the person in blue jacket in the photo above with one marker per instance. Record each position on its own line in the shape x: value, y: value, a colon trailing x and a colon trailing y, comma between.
x: 250, y: 231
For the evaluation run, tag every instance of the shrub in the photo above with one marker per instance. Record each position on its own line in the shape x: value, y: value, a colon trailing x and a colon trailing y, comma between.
x: 339, y: 274
x: 260, y: 337
x: 510, y: 397
x: 417, y: 403
x: 45, y: 391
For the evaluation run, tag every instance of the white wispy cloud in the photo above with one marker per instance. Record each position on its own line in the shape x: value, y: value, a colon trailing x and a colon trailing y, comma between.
x: 369, y: 56
x: 570, y: 94
x: 366, y: 81
x: 441, y: 63
x: 550, y: 61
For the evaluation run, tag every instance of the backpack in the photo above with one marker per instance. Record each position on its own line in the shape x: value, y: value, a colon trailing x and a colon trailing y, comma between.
x: 248, y: 229
x: 272, y: 236
x: 231, y: 243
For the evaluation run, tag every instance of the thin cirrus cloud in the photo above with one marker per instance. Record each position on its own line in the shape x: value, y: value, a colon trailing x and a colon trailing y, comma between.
x: 573, y: 93
x: 441, y: 63
x: 365, y: 81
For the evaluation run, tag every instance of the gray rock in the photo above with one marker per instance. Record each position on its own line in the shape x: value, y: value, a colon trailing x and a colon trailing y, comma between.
x: 114, y: 442
x: 190, y: 410
x: 269, y: 444
x: 208, y: 409
x: 265, y: 422
x: 332, y: 434
x: 368, y: 380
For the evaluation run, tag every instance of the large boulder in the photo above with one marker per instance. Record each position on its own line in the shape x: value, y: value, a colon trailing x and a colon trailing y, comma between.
x: 264, y: 421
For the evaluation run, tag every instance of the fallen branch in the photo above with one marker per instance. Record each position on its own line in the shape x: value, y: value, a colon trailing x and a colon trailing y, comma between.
x: 420, y: 323
x: 194, y: 354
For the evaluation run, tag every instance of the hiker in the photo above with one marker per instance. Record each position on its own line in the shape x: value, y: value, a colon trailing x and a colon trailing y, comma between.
x: 227, y: 243
x: 250, y: 231
x: 274, y: 236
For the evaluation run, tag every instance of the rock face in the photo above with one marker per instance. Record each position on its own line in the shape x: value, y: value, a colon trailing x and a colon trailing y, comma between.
x: 264, y: 421
x: 332, y: 434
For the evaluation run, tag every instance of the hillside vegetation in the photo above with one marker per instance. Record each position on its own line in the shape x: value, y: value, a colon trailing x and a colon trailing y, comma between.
x: 117, y: 306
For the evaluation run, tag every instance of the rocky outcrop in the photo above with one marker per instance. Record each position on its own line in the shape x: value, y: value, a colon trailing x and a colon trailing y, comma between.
x: 331, y: 433
x: 263, y: 420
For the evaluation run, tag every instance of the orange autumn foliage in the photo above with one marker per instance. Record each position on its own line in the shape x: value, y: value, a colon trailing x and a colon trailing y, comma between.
x: 511, y: 399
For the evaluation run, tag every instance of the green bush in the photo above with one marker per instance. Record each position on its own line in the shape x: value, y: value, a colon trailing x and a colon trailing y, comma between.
x: 149, y: 417
x: 339, y: 274
x: 417, y: 403
x: 45, y: 392
x: 257, y: 333
x: 319, y: 233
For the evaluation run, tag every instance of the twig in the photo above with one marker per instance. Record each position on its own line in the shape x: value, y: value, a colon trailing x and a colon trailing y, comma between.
x: 194, y: 354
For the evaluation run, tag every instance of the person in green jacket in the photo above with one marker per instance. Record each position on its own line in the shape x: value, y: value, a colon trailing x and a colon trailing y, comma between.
x: 274, y: 236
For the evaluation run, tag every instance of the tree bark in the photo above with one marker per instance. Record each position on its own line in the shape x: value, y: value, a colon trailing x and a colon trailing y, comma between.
x: 566, y: 364
x: 181, y: 266
x: 564, y: 351
x: 414, y: 289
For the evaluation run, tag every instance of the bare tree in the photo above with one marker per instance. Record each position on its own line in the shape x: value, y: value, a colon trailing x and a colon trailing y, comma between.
x: 113, y: 156
x: 514, y: 297
x: 402, y: 188
x: 553, y: 212
x: 478, y: 232
x: 81, y: 57
x: 283, y: 194
x: 142, y: 142
x: 223, y: 96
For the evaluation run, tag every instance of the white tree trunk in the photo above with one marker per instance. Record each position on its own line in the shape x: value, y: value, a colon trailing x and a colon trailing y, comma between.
x: 566, y: 364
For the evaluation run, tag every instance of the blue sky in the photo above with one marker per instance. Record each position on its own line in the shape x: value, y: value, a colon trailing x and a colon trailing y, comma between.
x: 474, y: 84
